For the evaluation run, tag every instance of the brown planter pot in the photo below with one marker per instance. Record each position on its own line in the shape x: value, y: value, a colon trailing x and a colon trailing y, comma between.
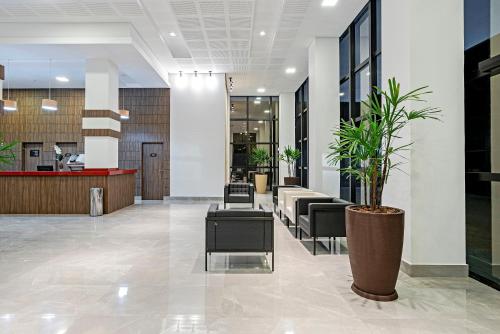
x: 375, y: 243
x: 292, y: 181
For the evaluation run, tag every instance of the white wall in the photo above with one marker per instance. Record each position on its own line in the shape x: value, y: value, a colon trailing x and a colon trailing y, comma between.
x: 198, y: 135
x: 421, y: 46
x: 324, y: 113
x: 286, y: 128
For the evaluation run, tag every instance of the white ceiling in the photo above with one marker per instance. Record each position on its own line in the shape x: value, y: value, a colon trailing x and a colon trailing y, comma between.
x: 212, y: 35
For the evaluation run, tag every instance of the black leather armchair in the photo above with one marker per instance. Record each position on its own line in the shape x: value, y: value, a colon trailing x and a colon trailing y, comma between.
x: 239, y: 230
x: 275, y: 193
x: 239, y: 193
x: 322, y: 217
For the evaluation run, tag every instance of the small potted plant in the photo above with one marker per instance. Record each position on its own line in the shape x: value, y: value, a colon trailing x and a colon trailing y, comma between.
x: 260, y: 158
x: 375, y: 232
x: 7, y: 155
x: 59, y: 158
x: 290, y: 156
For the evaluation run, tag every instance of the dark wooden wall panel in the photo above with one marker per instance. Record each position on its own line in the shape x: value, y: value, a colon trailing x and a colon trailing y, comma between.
x: 149, y: 122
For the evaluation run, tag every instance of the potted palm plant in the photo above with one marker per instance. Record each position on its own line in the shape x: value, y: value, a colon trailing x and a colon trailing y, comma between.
x: 375, y: 232
x: 7, y: 155
x: 290, y: 156
x: 260, y: 158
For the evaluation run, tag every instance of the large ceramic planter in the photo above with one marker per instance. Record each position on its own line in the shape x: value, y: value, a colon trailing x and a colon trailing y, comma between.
x: 375, y: 243
x: 292, y: 181
x: 261, y: 183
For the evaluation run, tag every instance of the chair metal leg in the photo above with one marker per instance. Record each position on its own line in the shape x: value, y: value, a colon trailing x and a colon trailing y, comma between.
x: 287, y: 222
x: 300, y: 234
x: 329, y: 244
x: 296, y: 229
x: 205, y: 261
x: 314, y: 245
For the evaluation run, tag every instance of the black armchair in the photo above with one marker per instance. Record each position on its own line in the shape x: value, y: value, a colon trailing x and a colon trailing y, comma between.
x: 239, y: 193
x: 321, y: 217
x: 239, y: 230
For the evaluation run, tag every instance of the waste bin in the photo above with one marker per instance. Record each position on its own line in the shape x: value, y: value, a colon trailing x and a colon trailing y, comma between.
x: 96, y: 203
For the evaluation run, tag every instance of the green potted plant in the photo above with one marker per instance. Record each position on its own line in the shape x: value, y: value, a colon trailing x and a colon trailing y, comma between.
x: 7, y: 155
x: 375, y: 232
x: 260, y: 158
x: 290, y: 156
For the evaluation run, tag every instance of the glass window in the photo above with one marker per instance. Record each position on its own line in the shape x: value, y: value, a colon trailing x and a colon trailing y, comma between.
x: 261, y: 129
x: 344, y: 56
x: 362, y: 39
x: 238, y: 131
x: 238, y: 107
x: 345, y: 99
x: 378, y: 9
x: 362, y: 90
x: 259, y: 108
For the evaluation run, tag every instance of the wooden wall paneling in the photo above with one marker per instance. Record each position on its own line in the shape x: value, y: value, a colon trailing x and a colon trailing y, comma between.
x: 149, y: 122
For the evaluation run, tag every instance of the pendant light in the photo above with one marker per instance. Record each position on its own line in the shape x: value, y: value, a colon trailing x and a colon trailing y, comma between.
x: 124, y: 113
x: 9, y: 105
x: 49, y: 104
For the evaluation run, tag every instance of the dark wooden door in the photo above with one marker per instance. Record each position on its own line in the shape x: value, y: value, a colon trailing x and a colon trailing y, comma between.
x: 152, y: 180
x: 32, y: 156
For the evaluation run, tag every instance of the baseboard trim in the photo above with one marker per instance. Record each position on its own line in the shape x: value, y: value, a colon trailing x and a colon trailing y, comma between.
x: 435, y: 270
x: 191, y: 198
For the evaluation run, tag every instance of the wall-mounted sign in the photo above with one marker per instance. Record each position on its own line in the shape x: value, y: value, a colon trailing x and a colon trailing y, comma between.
x: 153, y: 155
x: 34, y: 153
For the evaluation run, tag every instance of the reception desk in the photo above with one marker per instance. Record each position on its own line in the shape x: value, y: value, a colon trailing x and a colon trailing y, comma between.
x: 64, y: 192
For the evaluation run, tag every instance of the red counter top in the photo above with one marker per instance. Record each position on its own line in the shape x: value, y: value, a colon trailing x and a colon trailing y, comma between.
x: 85, y: 172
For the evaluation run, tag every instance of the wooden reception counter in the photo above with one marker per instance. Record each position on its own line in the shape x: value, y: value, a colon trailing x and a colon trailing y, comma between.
x: 64, y: 192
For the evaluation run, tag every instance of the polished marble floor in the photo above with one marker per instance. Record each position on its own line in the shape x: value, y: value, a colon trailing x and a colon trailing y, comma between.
x: 141, y: 270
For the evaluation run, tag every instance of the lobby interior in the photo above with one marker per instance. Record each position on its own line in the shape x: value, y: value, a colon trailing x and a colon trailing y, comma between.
x: 249, y: 166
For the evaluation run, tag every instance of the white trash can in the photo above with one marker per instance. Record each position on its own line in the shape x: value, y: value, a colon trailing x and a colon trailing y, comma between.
x: 96, y: 202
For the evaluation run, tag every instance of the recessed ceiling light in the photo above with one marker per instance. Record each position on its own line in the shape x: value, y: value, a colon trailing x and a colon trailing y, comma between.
x: 260, y: 122
x: 290, y: 70
x: 267, y: 111
x: 329, y: 3
x: 258, y: 98
x: 172, y: 34
x: 62, y: 79
x: 256, y: 102
x: 261, y: 90
x: 341, y: 94
x: 262, y: 33
x: 256, y: 129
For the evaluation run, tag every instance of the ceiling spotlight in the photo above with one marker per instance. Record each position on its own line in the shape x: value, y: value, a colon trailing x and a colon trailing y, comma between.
x: 256, y: 129
x: 262, y: 33
x: 256, y: 101
x: 329, y: 3
x: 260, y: 122
x: 341, y: 94
x: 172, y: 34
x: 290, y: 70
x: 258, y: 98
x: 267, y: 111
x: 62, y: 79
x: 261, y: 90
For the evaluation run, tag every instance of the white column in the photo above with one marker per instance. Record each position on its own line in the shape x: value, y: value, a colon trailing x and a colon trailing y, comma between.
x: 421, y: 46
x: 101, y: 94
x: 324, y: 113
x: 286, y: 128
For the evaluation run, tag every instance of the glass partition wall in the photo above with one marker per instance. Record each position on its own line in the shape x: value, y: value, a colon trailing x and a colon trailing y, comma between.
x: 360, y: 70
x: 253, y: 124
x: 301, y: 132
x: 482, y: 139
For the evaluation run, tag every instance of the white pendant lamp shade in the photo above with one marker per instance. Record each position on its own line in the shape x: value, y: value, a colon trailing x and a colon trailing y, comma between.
x: 124, y: 113
x: 9, y: 105
x: 49, y: 105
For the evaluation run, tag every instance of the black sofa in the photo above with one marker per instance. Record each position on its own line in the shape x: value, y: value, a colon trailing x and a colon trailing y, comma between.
x: 321, y: 217
x: 239, y: 193
x: 239, y: 230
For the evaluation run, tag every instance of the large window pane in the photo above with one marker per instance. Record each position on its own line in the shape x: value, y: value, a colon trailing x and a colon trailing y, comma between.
x: 238, y: 131
x: 344, y: 56
x: 362, y: 39
x: 362, y: 90
x: 261, y: 129
x: 238, y: 107
x: 345, y: 98
x: 259, y: 108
